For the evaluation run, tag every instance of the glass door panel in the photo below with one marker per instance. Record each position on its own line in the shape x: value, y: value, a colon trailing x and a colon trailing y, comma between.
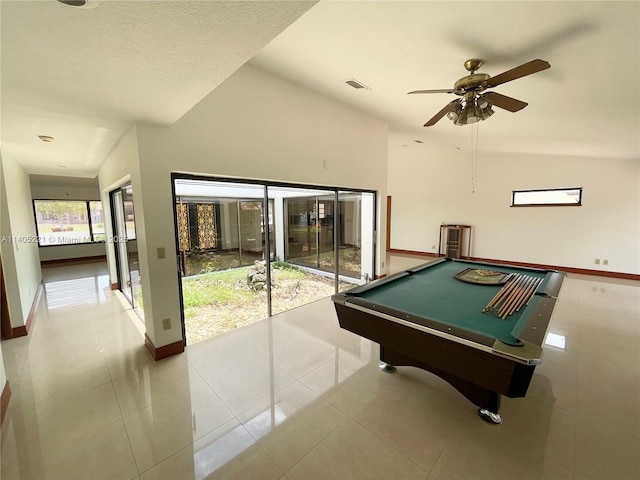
x: 356, y: 226
x: 120, y: 240
x: 324, y: 227
x: 126, y: 248
x: 251, y: 231
x: 221, y: 237
x: 132, y: 250
x: 307, y: 230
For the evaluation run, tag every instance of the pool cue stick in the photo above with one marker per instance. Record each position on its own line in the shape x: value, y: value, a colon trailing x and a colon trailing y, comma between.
x: 508, y: 293
x: 513, y: 277
x: 515, y: 295
x: 509, y: 309
x: 499, y: 293
x: 522, y: 298
x: 534, y: 287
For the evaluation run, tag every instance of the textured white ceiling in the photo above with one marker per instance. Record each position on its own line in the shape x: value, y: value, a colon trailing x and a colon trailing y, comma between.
x: 83, y: 75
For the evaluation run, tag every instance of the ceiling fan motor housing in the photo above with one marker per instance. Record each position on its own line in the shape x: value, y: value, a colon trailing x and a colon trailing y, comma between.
x: 471, y: 82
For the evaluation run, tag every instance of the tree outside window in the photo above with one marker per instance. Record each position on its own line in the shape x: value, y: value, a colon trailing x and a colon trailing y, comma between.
x: 67, y: 222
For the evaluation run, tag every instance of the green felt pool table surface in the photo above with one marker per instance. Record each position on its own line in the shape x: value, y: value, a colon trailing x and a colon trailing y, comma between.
x: 433, y: 294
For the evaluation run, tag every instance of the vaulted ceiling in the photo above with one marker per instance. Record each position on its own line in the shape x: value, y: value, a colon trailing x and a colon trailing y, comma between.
x: 82, y: 75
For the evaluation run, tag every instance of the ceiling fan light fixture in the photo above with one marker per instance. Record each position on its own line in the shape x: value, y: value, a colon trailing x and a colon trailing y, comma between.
x: 486, y: 112
x: 462, y: 118
x: 455, y: 113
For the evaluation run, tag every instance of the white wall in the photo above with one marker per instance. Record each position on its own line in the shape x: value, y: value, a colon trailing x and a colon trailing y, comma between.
x: 254, y: 125
x: 120, y: 167
x: 431, y: 185
x: 56, y: 192
x: 20, y: 258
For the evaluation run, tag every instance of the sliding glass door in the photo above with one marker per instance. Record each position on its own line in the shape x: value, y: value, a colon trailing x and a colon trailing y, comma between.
x: 251, y: 250
x: 126, y: 247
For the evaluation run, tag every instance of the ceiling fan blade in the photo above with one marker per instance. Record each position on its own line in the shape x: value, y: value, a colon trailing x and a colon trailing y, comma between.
x: 444, y: 90
x: 448, y: 108
x: 534, y: 66
x: 503, y: 101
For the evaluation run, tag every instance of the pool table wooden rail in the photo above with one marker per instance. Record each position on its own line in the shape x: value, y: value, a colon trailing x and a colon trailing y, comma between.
x: 474, y: 370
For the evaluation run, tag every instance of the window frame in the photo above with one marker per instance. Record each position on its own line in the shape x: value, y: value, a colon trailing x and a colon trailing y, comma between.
x: 550, y: 204
x: 87, y: 213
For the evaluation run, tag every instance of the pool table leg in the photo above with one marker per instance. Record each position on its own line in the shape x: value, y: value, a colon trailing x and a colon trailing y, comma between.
x: 386, y: 367
x: 487, y: 400
x: 489, y: 417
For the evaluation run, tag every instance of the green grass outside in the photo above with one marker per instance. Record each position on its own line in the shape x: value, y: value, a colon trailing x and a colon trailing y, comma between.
x: 218, y: 302
x: 226, y: 288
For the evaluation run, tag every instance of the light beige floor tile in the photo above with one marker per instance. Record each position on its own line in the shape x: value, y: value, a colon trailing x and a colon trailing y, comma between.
x: 299, y: 358
x: 219, y: 354
x: 608, y: 395
x: 292, y: 424
x: 345, y: 382
x: 606, y: 454
x: 105, y: 453
x: 62, y: 420
x: 60, y: 383
x: 464, y: 460
x: 124, y: 361
x: 414, y: 419
x: 229, y: 452
x: 614, y: 345
x: 153, y: 383
x: 248, y: 384
x: 13, y: 369
x: 165, y: 427
x: 20, y: 458
x: 351, y: 452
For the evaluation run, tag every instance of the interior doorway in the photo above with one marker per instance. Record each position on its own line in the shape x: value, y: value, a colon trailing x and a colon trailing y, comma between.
x: 126, y: 247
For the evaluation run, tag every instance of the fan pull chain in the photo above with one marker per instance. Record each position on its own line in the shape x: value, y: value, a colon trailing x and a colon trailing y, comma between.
x: 474, y: 156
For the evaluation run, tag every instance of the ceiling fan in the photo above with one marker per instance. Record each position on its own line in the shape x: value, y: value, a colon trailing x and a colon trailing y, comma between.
x: 475, y: 105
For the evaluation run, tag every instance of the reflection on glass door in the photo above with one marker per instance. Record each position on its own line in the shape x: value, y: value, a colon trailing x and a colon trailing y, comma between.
x: 126, y: 247
x: 305, y: 272
x: 310, y: 228
x: 120, y: 244
x: 132, y: 249
x: 356, y: 235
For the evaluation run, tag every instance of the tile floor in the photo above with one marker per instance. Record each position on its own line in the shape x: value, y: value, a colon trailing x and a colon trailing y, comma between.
x: 295, y: 397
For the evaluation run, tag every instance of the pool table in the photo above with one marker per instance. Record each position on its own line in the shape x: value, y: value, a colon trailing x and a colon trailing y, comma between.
x: 426, y: 317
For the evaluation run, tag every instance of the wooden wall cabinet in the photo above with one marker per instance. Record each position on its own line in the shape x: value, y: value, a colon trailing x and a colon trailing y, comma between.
x: 452, y: 241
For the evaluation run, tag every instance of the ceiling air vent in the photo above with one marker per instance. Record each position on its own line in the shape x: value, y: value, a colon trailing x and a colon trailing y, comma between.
x: 356, y: 84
